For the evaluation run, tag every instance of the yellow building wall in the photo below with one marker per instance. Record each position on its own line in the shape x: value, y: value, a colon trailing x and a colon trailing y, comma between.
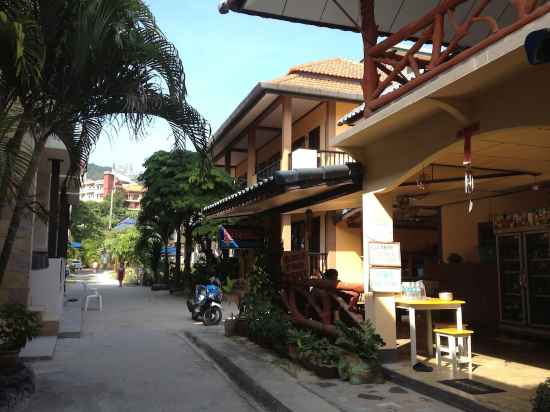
x: 316, y: 118
x: 343, y: 108
x: 348, y: 253
x: 241, y: 168
x: 460, y: 230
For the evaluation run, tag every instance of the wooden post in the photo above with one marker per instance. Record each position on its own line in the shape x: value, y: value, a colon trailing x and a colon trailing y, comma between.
x: 369, y: 32
x: 251, y: 159
x: 286, y: 141
x: 228, y: 161
x: 330, y: 131
x: 307, y: 240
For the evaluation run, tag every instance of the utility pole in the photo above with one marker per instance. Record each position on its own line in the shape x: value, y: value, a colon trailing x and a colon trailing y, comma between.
x: 112, y: 197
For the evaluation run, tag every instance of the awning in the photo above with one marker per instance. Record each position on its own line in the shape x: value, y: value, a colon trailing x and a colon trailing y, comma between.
x: 125, y: 224
x: 170, y: 251
x: 390, y: 15
x: 75, y: 245
x: 290, y: 190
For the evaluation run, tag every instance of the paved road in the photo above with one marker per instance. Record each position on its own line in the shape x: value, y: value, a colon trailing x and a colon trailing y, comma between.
x: 130, y: 358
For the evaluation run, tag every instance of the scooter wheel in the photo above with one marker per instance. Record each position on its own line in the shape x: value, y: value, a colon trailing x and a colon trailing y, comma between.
x: 212, y: 316
x: 195, y: 315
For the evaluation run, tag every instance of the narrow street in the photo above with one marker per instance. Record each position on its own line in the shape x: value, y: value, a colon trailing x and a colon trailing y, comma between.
x: 130, y: 358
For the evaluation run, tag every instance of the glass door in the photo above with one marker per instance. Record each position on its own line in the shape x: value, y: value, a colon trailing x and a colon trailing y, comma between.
x: 512, y: 304
x: 537, y: 258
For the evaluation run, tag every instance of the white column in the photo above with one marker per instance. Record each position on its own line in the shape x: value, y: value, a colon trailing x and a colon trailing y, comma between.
x: 286, y: 232
x: 251, y: 159
x: 378, y: 226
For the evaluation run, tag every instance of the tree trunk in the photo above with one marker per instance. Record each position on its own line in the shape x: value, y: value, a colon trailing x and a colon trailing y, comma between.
x: 13, y: 149
x: 188, y: 250
x: 20, y: 204
x: 178, y: 254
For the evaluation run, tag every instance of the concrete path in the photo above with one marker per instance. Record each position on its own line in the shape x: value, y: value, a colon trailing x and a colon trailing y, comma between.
x: 130, y: 358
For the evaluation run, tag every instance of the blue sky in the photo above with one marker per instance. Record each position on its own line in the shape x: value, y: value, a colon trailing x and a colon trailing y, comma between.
x: 224, y: 57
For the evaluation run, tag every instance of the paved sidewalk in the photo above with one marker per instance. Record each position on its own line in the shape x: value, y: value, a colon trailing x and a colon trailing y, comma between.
x: 297, y: 389
x: 130, y: 358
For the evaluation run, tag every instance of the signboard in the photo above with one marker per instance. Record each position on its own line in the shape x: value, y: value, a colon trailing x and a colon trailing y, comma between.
x: 294, y: 264
x: 385, y: 279
x: 385, y: 254
x: 240, y: 237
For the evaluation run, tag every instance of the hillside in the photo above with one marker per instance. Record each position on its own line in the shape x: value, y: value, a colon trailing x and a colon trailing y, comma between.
x: 95, y: 172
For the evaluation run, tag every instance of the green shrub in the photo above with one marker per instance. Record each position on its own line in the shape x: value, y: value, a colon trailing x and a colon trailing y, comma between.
x: 541, y: 401
x: 364, y: 341
x: 315, y: 349
x: 17, y: 326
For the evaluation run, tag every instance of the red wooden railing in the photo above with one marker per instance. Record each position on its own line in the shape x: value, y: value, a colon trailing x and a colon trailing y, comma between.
x: 429, y: 29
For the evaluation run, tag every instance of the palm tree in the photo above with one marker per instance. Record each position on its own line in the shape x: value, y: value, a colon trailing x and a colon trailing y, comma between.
x: 72, y: 66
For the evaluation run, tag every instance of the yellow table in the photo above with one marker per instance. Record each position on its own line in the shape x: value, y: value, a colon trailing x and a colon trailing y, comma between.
x: 428, y: 305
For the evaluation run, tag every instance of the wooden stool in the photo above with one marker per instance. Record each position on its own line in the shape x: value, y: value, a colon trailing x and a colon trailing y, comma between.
x: 459, y: 347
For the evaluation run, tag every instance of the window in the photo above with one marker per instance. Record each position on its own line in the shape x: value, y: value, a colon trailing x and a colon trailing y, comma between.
x: 314, y: 139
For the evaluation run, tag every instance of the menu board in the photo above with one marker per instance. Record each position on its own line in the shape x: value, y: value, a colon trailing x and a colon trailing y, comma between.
x: 385, y: 279
x: 387, y: 254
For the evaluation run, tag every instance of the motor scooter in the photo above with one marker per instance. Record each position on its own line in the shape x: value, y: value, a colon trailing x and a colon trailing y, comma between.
x: 206, y: 305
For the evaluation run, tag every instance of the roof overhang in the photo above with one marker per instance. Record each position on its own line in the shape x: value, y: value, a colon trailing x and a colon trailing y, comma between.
x: 290, y: 190
x: 261, y: 97
x: 390, y: 16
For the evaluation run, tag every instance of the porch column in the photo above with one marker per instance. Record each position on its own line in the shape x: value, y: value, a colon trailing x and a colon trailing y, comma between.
x: 378, y: 227
x: 286, y: 140
x: 227, y: 162
x: 53, y: 208
x: 251, y: 160
x: 307, y: 239
x: 330, y: 124
x: 286, y: 232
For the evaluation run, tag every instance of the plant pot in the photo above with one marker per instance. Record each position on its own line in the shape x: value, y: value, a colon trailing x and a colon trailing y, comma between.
x: 241, y: 327
x: 325, y: 371
x: 8, y: 359
x: 292, y: 352
x: 351, y: 367
x: 230, y: 326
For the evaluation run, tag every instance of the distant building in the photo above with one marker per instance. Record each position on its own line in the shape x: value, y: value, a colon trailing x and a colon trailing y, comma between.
x: 97, y: 190
x: 133, y: 195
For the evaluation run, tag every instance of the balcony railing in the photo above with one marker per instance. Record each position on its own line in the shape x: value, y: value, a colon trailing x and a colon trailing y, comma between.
x: 317, y: 263
x: 332, y: 158
x: 268, y: 170
x: 446, y: 51
x: 324, y: 158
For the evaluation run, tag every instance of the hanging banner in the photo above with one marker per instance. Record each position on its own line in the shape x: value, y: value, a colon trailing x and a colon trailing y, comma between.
x: 240, y: 237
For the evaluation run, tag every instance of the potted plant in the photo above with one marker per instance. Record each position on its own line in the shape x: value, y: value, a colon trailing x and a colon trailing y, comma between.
x: 297, y: 339
x: 361, y: 362
x: 17, y: 326
x: 541, y: 401
x: 324, y: 359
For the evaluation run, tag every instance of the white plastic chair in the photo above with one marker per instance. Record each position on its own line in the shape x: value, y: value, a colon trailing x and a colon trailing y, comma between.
x: 95, y: 295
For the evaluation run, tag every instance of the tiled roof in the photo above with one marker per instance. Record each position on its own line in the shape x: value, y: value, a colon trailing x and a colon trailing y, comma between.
x: 339, y: 75
x: 337, y: 67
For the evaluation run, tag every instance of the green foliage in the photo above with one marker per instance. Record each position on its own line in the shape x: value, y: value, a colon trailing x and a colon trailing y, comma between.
x: 122, y: 245
x: 17, y: 326
x: 75, y: 67
x: 364, y: 342
x: 541, y: 401
x: 178, y: 188
x: 310, y: 347
x: 229, y: 285
x: 267, y: 321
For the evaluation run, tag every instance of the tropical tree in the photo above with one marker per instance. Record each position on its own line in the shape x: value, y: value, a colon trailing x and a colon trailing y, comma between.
x: 178, y: 187
x: 122, y: 245
x: 68, y: 67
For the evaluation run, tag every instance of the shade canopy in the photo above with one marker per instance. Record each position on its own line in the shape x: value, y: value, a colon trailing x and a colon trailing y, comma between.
x: 126, y: 223
x: 390, y: 15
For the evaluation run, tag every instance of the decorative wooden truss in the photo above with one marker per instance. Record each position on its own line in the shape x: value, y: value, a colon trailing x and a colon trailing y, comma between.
x: 317, y: 304
x: 429, y: 29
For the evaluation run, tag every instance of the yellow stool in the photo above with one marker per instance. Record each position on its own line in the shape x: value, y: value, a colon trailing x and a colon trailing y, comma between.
x: 459, y: 347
